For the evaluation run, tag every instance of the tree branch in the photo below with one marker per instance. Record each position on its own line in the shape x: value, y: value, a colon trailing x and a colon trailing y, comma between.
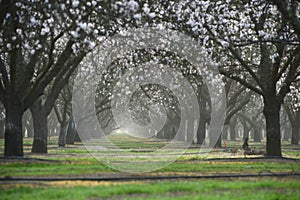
x: 4, y: 73
x: 291, y: 75
x: 242, y: 81
x: 59, y: 118
x: 60, y: 82
x: 234, y: 110
x: 41, y: 83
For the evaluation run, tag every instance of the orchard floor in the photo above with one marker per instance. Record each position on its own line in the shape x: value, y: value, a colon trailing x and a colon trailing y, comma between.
x: 74, y: 174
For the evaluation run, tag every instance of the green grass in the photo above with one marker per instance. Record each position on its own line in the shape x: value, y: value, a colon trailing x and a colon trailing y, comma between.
x: 85, y: 167
x: 197, y: 189
x: 130, y: 144
x: 76, y: 160
x: 43, y: 169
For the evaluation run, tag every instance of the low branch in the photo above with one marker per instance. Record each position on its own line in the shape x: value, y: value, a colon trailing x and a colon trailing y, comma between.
x: 242, y: 81
x: 291, y: 76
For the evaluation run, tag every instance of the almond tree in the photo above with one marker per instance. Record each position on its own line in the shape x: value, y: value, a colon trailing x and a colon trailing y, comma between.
x: 267, y: 55
x: 292, y: 108
x: 256, y: 44
x: 41, y: 43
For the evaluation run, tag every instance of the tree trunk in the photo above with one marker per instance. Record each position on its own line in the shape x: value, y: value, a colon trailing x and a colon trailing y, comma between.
x: 225, y: 132
x: 27, y: 124
x: 272, y: 115
x: 182, y: 134
x: 190, y: 131
x: 30, y: 133
x: 76, y: 138
x: 251, y: 133
x: 63, y: 134
x: 2, y: 122
x: 70, y: 138
x: 232, y: 126
x: 40, y: 125
x: 287, y: 133
x: 219, y: 142
x: 245, y: 132
x: 295, y: 134
x: 201, y: 132
x: 257, y: 134
x: 246, y: 129
x: 296, y: 129
x: 13, y: 128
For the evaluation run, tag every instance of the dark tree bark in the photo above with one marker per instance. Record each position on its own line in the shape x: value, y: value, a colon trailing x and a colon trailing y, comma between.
x: 41, y: 126
x: 201, y: 132
x: 294, y: 118
x: 63, y: 134
x: 203, y: 100
x: 2, y: 122
x: 39, y: 117
x: 296, y: 128
x: 70, y: 138
x: 246, y: 128
x: 295, y: 135
x: 271, y: 112
x: 13, y: 127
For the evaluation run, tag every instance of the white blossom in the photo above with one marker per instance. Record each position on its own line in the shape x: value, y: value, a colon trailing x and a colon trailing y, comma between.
x: 45, y: 30
x: 74, y: 34
x: 146, y: 9
x: 152, y: 15
x: 133, y: 6
x: 75, y: 3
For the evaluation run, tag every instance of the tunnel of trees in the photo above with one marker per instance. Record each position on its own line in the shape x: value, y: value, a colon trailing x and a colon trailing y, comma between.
x: 255, y: 44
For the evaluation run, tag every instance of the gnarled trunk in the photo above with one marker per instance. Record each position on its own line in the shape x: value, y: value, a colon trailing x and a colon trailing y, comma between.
x: 13, y: 128
x: 40, y: 125
x: 63, y: 134
x: 295, y: 134
x: 70, y: 138
x: 272, y: 113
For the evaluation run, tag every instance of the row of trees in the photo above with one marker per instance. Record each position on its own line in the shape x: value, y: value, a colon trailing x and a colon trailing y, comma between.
x: 256, y: 44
